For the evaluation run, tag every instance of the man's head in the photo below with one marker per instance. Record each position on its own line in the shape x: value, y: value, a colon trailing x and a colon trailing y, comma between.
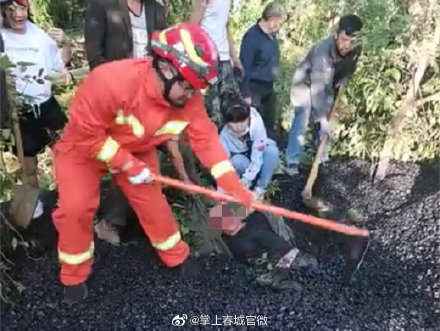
x: 272, y: 17
x: 349, y: 27
x: 236, y: 113
x: 227, y: 217
x: 180, y: 90
x: 185, y: 59
x: 15, y: 14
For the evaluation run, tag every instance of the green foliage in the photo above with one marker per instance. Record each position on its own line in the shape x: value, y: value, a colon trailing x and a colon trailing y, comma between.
x: 178, y: 10
x: 380, y: 83
x: 374, y: 93
x: 65, y: 14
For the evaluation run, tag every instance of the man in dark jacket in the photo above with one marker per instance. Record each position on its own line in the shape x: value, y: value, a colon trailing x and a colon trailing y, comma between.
x: 326, y: 68
x: 260, y: 57
x: 115, y: 30
x: 263, y: 240
x: 119, y: 29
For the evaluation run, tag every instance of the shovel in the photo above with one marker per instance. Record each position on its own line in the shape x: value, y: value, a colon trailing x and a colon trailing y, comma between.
x: 25, y: 196
x: 309, y: 201
x: 314, y: 203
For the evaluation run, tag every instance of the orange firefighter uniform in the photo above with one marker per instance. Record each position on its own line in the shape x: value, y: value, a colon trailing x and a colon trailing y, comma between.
x: 117, y: 119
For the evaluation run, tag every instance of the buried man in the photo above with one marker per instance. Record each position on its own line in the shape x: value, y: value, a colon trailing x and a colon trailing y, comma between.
x: 262, y: 238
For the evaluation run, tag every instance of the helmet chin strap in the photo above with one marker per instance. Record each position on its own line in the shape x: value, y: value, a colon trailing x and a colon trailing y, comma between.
x: 168, y: 82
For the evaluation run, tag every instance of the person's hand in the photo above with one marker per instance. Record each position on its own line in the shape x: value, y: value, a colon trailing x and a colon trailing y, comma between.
x: 244, y: 195
x: 58, y: 35
x: 285, y: 125
x: 5, y: 134
x: 246, y: 182
x: 236, y: 63
x: 248, y: 100
x: 143, y: 177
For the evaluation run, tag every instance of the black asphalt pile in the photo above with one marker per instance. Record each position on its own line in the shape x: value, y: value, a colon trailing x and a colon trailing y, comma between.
x: 396, y: 288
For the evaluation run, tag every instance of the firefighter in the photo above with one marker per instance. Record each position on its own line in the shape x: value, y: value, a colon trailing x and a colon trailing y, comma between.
x: 120, y: 113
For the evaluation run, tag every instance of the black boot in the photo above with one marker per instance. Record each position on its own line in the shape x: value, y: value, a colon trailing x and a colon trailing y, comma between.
x: 188, y: 269
x: 76, y: 293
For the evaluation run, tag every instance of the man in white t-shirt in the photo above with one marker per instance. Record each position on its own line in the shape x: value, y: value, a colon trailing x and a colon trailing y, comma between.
x: 35, y: 55
x: 213, y: 17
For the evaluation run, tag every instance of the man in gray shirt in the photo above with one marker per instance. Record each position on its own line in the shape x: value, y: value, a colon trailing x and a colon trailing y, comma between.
x: 327, y: 67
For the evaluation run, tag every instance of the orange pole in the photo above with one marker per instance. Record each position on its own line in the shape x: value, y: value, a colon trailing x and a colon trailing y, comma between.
x: 317, y: 221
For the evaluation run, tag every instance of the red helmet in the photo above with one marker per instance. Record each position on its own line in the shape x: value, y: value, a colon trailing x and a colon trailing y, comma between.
x: 190, y: 50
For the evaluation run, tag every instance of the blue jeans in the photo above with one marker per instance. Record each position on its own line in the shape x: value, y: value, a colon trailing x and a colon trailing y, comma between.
x: 271, y: 158
x: 297, y: 137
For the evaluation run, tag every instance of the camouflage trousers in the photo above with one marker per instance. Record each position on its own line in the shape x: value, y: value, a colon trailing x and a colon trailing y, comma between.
x: 213, y: 100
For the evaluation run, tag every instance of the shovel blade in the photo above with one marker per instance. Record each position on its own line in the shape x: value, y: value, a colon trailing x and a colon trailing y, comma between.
x: 315, y: 204
x: 23, y: 205
x: 355, y: 254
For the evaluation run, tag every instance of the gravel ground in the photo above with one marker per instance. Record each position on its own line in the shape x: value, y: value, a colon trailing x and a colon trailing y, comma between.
x: 396, y: 288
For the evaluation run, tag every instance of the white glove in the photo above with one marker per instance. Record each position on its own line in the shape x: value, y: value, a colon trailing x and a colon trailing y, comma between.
x: 246, y: 182
x: 143, y: 177
x: 5, y: 134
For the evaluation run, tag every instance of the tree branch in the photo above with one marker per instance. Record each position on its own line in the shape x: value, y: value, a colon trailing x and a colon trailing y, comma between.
x: 432, y: 97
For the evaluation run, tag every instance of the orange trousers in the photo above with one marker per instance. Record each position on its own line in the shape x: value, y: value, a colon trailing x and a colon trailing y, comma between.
x: 78, y: 188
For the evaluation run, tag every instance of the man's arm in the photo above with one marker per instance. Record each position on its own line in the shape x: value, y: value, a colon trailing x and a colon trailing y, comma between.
x: 321, y: 81
x: 198, y: 8
x: 92, y: 111
x: 161, y: 16
x: 94, y: 33
x: 61, y: 39
x: 247, y: 52
x: 177, y: 159
x: 235, y: 60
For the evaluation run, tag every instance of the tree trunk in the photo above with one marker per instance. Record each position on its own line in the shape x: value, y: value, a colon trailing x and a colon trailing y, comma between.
x: 427, y: 52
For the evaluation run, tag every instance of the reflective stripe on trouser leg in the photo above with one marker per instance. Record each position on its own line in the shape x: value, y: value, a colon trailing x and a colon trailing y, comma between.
x: 78, y: 190
x: 155, y: 215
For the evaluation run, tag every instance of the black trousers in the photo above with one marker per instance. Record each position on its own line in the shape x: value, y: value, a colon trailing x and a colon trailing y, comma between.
x: 40, y: 125
x: 115, y: 208
x: 263, y: 99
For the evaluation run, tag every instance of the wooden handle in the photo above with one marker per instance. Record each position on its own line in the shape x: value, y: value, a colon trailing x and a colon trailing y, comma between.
x: 316, y: 221
x: 307, y: 191
x: 18, y: 139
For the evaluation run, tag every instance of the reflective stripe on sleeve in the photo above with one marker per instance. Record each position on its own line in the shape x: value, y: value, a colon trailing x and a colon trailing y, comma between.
x: 108, y: 150
x: 221, y: 168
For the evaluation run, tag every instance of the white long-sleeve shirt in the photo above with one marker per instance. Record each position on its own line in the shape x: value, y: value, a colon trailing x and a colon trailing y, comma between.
x: 258, y: 137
